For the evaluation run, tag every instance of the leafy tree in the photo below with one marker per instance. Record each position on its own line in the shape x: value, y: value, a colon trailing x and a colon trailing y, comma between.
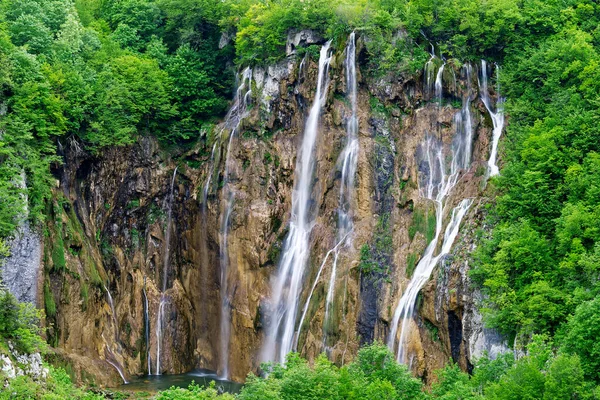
x: 581, y: 339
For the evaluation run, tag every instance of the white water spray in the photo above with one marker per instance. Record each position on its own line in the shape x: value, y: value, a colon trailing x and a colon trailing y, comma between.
x: 286, y: 287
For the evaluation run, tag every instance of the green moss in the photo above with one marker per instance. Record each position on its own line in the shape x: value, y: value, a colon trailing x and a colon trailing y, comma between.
x: 49, y: 303
x: 58, y: 253
x: 411, y: 263
x: 135, y: 203
x: 423, y: 222
x: 268, y: 159
x: 433, y: 330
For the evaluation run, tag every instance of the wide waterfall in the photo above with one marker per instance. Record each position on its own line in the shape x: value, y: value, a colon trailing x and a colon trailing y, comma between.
x: 497, y: 115
x: 164, y: 300
x: 436, y: 181
x: 287, y: 285
x: 237, y: 113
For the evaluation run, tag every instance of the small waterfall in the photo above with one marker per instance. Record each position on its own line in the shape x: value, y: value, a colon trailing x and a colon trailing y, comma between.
x: 210, y: 174
x: 286, y: 287
x: 110, y: 358
x: 436, y: 185
x: 235, y: 117
x: 312, y: 289
x: 429, y: 75
x: 463, y: 140
x: 439, y: 84
x: 349, y: 157
x: 114, y: 313
x: 147, y: 327
x: 159, y: 330
x: 163, y: 297
x: 497, y: 116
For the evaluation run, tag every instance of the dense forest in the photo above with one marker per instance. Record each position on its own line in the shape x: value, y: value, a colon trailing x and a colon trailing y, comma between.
x: 103, y: 73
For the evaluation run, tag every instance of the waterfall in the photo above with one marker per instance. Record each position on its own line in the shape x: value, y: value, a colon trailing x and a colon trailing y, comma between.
x: 439, y: 84
x: 210, y: 174
x: 464, y: 124
x: 286, y: 287
x: 349, y: 157
x: 496, y: 116
x: 436, y: 185
x: 159, y: 330
x: 163, y: 297
x: 110, y: 358
x: 429, y: 75
x: 235, y: 116
x: 114, y: 313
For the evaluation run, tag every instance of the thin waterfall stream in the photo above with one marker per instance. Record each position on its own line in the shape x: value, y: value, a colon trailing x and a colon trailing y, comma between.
x: 235, y: 116
x: 147, y: 327
x: 287, y: 284
x: 109, y: 355
x: 164, y: 300
x: 497, y: 116
x: 349, y: 157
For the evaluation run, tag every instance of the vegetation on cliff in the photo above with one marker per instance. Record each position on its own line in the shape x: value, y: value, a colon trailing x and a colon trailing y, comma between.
x: 102, y: 73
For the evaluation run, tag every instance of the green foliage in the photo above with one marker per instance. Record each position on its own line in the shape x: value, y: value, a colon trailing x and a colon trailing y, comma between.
x: 49, y: 303
x: 423, y: 222
x: 57, y: 386
x: 193, y: 392
x: 581, y: 339
x: 262, y: 30
x: 375, y: 372
x: 411, y: 263
x: 19, y: 322
x: 540, y: 267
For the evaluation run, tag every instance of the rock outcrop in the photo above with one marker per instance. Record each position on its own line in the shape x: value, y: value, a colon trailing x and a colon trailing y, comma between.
x: 107, y: 233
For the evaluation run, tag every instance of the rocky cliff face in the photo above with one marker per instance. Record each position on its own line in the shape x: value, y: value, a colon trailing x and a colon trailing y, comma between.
x: 122, y: 293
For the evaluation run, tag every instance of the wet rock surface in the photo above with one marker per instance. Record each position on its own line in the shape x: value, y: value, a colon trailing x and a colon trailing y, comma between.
x: 111, y: 218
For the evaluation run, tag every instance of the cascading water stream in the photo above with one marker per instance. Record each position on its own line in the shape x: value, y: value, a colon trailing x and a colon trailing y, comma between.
x: 163, y: 297
x: 147, y: 327
x: 286, y: 287
x: 110, y: 358
x: 439, y: 84
x: 497, y: 116
x: 349, y: 157
x: 236, y: 114
x: 111, y: 303
x: 429, y: 74
x: 436, y: 186
x: 108, y: 353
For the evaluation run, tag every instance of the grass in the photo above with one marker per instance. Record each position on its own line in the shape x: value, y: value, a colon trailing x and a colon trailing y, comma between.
x: 411, y: 263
